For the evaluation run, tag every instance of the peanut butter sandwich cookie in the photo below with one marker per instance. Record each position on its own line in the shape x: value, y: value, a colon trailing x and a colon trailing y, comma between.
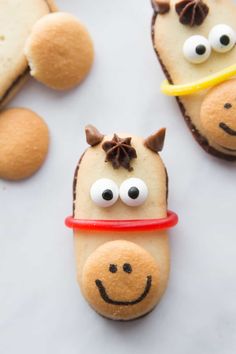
x: 195, y: 44
x: 120, y: 221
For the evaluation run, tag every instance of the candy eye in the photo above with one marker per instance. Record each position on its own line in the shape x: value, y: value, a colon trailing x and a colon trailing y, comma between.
x: 196, y: 49
x: 133, y: 192
x: 222, y: 38
x: 104, y: 192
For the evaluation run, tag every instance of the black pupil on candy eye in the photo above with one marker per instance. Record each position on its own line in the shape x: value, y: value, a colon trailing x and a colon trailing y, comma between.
x: 200, y: 49
x: 127, y: 268
x: 133, y: 193
x: 224, y: 40
x: 113, y: 268
x: 107, y: 194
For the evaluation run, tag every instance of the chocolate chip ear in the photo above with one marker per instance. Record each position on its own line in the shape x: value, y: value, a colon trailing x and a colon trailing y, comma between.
x: 161, y: 6
x: 93, y: 136
x: 155, y: 142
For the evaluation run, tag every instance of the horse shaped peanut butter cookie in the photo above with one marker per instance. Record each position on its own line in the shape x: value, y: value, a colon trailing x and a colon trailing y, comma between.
x: 195, y: 43
x: 120, y: 221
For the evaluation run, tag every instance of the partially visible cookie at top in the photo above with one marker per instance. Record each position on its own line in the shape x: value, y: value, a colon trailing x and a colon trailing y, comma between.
x: 24, y: 141
x: 59, y: 51
x: 17, y: 18
x: 195, y: 44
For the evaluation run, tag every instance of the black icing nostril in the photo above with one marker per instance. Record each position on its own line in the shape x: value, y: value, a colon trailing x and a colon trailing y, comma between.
x: 200, y: 49
x: 127, y: 268
x: 224, y: 40
x: 228, y: 105
x: 133, y: 192
x: 107, y: 194
x: 113, y: 268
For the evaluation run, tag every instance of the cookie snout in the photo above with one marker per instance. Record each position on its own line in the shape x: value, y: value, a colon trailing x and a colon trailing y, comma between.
x: 120, y: 280
x: 218, y: 115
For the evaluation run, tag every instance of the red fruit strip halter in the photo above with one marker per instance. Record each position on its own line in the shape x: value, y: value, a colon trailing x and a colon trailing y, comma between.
x: 123, y: 225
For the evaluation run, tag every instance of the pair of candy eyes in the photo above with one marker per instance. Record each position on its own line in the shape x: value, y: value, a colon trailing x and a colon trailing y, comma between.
x: 105, y: 192
x: 197, y: 49
x: 126, y: 268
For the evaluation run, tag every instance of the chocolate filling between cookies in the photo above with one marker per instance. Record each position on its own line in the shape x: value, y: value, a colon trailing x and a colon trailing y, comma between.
x: 13, y: 85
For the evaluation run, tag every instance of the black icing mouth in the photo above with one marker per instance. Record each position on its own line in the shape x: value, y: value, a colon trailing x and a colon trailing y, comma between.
x: 227, y: 129
x: 108, y: 300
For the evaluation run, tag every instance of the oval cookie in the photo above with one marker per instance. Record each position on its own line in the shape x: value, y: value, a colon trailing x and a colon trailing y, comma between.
x: 120, y: 223
x: 195, y: 44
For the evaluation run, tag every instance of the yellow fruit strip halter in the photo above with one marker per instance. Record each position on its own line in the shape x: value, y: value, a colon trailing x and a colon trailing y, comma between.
x: 203, y: 84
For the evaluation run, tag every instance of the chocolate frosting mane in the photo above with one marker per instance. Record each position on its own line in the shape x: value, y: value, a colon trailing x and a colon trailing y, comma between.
x: 192, y: 12
x: 119, y: 152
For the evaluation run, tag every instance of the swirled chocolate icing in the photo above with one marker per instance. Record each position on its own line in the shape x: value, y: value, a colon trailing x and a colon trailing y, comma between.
x: 119, y: 152
x: 192, y: 12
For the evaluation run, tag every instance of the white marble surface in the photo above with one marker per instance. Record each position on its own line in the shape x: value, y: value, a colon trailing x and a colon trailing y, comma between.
x: 41, y: 308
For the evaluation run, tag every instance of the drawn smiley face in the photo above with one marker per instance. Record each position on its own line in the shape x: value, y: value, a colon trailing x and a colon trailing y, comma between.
x: 120, y: 280
x: 218, y: 115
